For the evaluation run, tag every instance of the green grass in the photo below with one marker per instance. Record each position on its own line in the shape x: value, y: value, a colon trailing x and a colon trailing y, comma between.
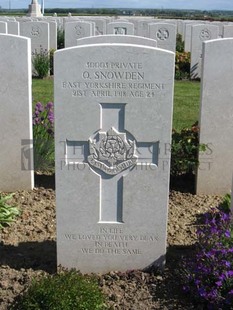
x: 186, y: 100
x: 42, y: 90
x: 186, y: 104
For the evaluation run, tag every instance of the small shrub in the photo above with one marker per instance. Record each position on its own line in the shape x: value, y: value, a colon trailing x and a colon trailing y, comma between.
x: 60, y: 38
x: 179, y: 43
x: 7, y: 212
x: 226, y: 203
x: 41, y: 63
x: 182, y: 65
x: 43, y: 137
x: 184, y: 151
x: 51, y: 57
x: 208, y: 275
x: 63, y: 291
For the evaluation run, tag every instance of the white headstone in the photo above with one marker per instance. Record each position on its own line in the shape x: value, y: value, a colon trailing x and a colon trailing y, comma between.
x: 113, y: 119
x: 143, y: 27
x: 164, y: 34
x: 228, y: 31
x: 52, y: 35
x: 13, y: 27
x: 188, y: 35
x: 38, y: 32
x: 3, y: 27
x: 200, y: 34
x: 100, y: 27
x: 16, y: 152
x: 216, y: 118
x: 77, y: 30
x: 120, y: 28
x: 117, y: 39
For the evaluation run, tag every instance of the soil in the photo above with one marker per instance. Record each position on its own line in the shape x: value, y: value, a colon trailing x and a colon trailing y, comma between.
x: 28, y: 250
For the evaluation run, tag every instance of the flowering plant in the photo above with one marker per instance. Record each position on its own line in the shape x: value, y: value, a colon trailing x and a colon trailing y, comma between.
x: 43, y: 136
x: 184, y: 150
x: 208, y: 275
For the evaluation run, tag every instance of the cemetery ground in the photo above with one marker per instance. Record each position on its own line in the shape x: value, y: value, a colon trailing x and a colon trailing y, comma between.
x: 28, y: 246
x: 28, y: 250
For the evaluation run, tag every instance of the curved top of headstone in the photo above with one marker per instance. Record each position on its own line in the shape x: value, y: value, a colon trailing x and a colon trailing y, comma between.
x: 34, y: 2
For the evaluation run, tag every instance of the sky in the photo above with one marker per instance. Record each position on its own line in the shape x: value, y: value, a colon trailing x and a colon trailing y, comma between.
x: 165, y: 4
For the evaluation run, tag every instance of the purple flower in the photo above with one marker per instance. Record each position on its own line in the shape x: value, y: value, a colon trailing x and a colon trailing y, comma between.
x: 49, y: 106
x: 218, y: 283
x: 229, y: 273
x: 39, y: 107
x: 36, y: 121
x: 227, y: 233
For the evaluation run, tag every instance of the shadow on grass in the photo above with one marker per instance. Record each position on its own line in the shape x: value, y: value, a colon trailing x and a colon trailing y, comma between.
x: 34, y: 255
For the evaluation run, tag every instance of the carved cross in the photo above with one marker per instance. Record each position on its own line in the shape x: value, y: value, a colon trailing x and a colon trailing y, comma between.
x: 112, y: 153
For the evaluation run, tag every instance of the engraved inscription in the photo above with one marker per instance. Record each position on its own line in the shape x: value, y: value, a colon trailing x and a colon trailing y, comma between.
x: 162, y: 34
x: 120, y: 30
x: 35, y: 31
x: 78, y: 30
x: 205, y: 34
x: 113, y: 241
x: 113, y: 79
x: 114, y: 153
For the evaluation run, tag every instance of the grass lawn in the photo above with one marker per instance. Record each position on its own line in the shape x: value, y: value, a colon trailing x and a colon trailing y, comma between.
x: 186, y: 100
x: 186, y: 104
x: 42, y: 90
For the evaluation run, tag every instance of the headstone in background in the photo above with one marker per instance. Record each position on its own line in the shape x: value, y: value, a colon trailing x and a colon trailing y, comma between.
x: 117, y: 39
x: 188, y: 35
x: 100, y: 27
x: 228, y: 31
x: 200, y: 34
x: 3, y: 27
x: 113, y: 121
x: 16, y: 151
x: 220, y: 26
x: 120, y: 28
x: 77, y: 30
x: 52, y: 35
x: 38, y: 32
x: 13, y: 28
x: 216, y: 118
x: 164, y: 34
x: 143, y: 27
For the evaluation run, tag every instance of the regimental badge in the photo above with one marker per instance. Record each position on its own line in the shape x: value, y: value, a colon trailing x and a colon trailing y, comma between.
x: 113, y: 152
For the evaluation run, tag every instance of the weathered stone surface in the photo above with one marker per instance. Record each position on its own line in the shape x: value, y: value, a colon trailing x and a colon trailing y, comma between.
x: 216, y: 118
x: 117, y: 39
x: 164, y: 34
x: 77, y: 30
x: 113, y: 123
x: 120, y: 28
x: 16, y: 153
x: 200, y: 34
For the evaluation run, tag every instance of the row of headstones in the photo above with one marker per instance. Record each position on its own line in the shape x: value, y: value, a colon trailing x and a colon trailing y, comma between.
x: 113, y: 121
x: 44, y: 35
